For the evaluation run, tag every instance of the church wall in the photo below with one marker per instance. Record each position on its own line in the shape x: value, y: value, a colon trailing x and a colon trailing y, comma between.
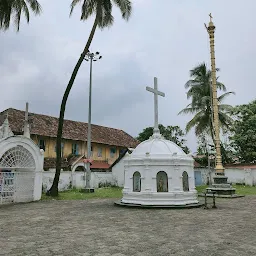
x: 67, y: 177
x: 75, y: 179
x: 241, y: 175
x: 118, y: 171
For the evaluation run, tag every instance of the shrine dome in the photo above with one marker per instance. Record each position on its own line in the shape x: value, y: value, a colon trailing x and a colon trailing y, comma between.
x: 157, y: 146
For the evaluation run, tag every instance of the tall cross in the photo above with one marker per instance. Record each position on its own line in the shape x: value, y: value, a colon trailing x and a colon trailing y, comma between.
x: 156, y: 93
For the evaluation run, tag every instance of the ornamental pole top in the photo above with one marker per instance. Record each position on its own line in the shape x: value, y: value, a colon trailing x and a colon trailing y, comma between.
x: 211, y: 22
x: 210, y: 17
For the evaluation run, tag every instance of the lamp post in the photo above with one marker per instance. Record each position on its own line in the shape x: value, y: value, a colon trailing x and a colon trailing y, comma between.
x: 90, y: 56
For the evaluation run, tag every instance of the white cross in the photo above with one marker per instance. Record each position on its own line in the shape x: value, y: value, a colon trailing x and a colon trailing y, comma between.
x: 156, y: 93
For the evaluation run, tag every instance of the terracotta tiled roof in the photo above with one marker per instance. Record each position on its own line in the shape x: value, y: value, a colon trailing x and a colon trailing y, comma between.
x: 44, y: 125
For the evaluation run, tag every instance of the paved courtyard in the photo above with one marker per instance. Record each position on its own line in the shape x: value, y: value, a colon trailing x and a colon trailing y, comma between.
x: 97, y: 227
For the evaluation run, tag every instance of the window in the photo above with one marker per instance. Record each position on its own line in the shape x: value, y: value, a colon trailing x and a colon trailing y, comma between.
x: 62, y: 148
x: 162, y: 182
x: 112, y: 152
x: 99, y: 152
x: 136, y: 182
x: 185, y: 182
x: 75, y: 149
x: 91, y: 151
x: 42, y: 144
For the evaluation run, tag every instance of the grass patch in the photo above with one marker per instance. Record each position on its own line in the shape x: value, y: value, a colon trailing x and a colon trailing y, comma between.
x: 240, y: 189
x: 75, y: 194
x: 116, y: 192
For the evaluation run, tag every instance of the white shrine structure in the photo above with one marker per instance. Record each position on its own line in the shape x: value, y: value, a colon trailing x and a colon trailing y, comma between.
x: 158, y: 173
x: 21, y: 166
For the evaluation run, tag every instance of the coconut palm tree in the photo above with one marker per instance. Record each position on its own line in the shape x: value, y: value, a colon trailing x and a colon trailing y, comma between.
x: 14, y: 8
x: 199, y: 91
x: 102, y: 9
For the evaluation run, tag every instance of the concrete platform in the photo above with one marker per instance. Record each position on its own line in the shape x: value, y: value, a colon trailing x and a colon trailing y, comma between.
x: 119, y: 203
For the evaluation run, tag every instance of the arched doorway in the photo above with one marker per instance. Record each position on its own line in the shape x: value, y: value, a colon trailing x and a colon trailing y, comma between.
x: 162, y: 182
x: 185, y: 181
x: 136, y: 182
x: 78, y: 175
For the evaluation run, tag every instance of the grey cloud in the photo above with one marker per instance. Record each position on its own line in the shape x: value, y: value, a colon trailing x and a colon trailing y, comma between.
x: 164, y: 40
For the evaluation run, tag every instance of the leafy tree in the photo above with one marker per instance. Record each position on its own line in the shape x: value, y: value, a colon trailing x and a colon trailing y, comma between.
x: 14, y: 8
x: 200, y: 94
x: 202, y: 144
x: 102, y: 9
x: 244, y: 132
x: 172, y: 133
x: 227, y: 153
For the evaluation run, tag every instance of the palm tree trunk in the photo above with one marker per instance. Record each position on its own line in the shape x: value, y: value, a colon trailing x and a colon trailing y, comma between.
x: 53, y: 191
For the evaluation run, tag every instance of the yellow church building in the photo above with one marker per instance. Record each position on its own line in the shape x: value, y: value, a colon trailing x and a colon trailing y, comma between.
x: 107, y: 143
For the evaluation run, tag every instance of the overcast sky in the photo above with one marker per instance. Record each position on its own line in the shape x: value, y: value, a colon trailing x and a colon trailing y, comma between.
x: 164, y: 40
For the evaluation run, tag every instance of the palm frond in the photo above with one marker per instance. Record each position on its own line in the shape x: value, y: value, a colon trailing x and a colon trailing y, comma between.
x: 35, y: 6
x: 225, y: 119
x: 225, y: 107
x: 194, y: 121
x: 224, y: 95
x: 103, y: 10
x: 73, y: 5
x: 15, y: 8
x: 189, y: 111
x: 125, y: 7
x: 221, y: 86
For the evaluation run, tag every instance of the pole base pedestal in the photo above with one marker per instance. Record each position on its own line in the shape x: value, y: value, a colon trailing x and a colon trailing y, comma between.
x: 87, y: 190
x: 222, y: 188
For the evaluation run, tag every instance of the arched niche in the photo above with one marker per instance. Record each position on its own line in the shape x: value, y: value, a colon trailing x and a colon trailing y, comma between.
x: 185, y: 182
x: 162, y: 181
x: 136, y: 182
x: 80, y: 168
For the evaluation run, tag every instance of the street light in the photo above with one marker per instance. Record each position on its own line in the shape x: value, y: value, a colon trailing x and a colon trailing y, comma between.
x: 90, y: 56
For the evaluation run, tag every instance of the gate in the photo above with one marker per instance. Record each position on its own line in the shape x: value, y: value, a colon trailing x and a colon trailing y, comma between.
x: 6, y: 187
x: 16, y: 187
